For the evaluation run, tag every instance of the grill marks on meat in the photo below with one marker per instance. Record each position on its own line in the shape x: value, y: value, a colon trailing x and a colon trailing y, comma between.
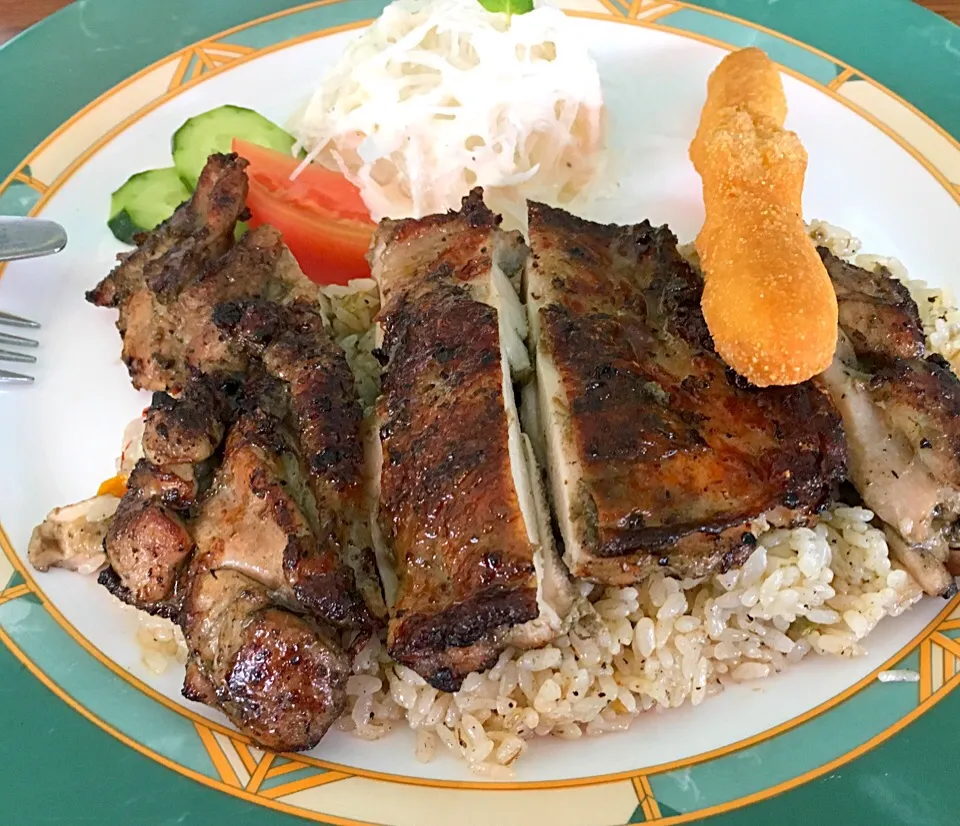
x: 465, y: 562
x: 278, y: 676
x: 267, y: 585
x: 901, y: 414
x: 456, y: 506
x: 148, y: 542
x: 261, y: 518
x: 199, y: 231
x: 877, y: 314
x: 659, y: 457
x: 240, y: 555
x: 296, y: 349
x: 167, y: 288
x: 148, y: 280
x: 241, y: 521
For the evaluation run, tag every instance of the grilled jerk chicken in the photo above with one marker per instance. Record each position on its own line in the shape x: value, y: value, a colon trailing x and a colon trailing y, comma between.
x: 246, y: 519
x: 148, y: 541
x: 901, y: 414
x: 278, y: 676
x: 296, y: 350
x: 261, y: 590
x: 659, y: 457
x: 271, y: 573
x: 167, y: 288
x: 187, y: 540
x: 458, y: 508
x: 243, y: 558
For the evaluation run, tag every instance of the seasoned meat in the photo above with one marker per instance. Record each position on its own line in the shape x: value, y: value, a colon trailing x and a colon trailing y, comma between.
x: 149, y: 541
x: 261, y: 519
x: 297, y: 350
x: 146, y: 544
x: 259, y: 266
x: 457, y: 507
x: 199, y: 231
x: 266, y: 584
x: 659, y: 457
x: 148, y: 280
x: 281, y: 511
x: 877, y: 314
x: 246, y: 519
x: 278, y: 677
x: 186, y: 430
x: 901, y: 414
x: 266, y: 581
x: 167, y: 288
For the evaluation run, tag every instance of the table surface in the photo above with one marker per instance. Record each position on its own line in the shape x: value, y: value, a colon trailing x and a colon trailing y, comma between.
x: 16, y: 15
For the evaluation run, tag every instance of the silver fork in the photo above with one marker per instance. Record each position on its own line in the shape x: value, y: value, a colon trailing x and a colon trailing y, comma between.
x: 8, y: 339
x: 24, y: 238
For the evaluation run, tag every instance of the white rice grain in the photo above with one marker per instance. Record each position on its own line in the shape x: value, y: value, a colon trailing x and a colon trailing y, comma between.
x: 899, y: 675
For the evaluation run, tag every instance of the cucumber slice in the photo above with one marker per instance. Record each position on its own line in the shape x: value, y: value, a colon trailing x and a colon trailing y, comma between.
x: 214, y: 131
x: 144, y: 201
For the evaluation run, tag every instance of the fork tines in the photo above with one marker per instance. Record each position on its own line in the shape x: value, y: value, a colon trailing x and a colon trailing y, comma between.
x: 6, y: 376
x: 17, y: 321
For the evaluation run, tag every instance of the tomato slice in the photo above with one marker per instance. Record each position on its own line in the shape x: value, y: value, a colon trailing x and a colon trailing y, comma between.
x: 329, y: 249
x: 315, y: 187
x: 320, y: 214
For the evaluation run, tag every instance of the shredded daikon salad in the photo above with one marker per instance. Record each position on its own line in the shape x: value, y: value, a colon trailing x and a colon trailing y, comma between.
x: 439, y: 96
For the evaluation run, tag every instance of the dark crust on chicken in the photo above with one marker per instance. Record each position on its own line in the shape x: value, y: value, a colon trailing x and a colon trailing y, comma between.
x: 292, y: 459
x: 109, y: 579
x: 177, y: 486
x: 236, y: 522
x: 146, y: 544
x: 877, y: 312
x: 448, y: 502
x: 149, y: 539
x: 186, y: 430
x: 678, y: 456
x: 277, y: 676
x: 324, y: 411
x: 200, y: 229
x: 261, y: 518
x: 148, y: 280
x: 902, y: 417
x: 167, y: 288
x: 922, y: 398
x: 452, y: 245
x: 296, y: 349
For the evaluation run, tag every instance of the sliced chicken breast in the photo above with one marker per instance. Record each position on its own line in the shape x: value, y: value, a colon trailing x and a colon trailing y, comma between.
x: 458, y: 504
x: 659, y: 457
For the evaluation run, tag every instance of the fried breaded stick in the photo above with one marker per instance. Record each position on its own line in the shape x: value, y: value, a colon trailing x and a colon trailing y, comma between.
x: 767, y: 298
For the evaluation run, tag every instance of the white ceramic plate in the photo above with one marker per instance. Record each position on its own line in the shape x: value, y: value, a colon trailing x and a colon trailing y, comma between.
x: 59, y: 439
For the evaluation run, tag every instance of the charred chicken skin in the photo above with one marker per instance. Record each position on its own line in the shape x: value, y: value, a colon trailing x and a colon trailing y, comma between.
x: 901, y: 414
x: 242, y: 521
x: 660, y: 457
x: 456, y: 506
x: 166, y: 289
x: 277, y: 675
